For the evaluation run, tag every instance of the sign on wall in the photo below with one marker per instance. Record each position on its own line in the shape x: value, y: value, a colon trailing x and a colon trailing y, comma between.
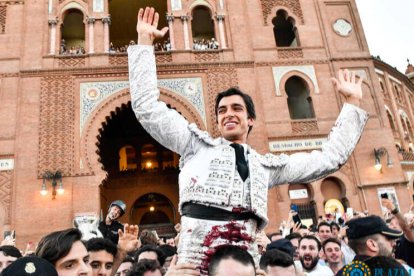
x: 293, y: 145
x: 6, y: 164
x: 298, y: 194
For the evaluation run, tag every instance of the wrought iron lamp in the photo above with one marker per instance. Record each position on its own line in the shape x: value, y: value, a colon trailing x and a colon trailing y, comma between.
x: 57, y: 185
x: 378, y: 153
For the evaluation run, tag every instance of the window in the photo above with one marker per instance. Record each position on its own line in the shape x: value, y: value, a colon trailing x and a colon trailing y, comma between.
x: 149, y: 159
x: 284, y: 30
x: 398, y: 95
x: 122, y: 31
x: 410, y: 129
x: 391, y: 120
x: 73, y: 33
x: 405, y: 128
x: 202, y: 26
x: 382, y: 86
x: 299, y: 101
x: 127, y: 158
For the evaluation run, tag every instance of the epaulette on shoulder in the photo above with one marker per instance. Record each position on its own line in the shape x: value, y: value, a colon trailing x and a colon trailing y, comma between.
x: 203, y: 135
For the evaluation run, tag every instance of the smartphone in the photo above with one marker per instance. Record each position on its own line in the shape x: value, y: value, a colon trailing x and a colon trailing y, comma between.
x: 384, y: 195
x: 296, y: 219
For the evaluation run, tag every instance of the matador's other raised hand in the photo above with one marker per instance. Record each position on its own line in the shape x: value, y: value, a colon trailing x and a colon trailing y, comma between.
x: 147, y: 26
x: 348, y: 86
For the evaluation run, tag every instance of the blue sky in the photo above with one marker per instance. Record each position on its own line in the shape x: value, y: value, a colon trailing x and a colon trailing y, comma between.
x: 389, y: 30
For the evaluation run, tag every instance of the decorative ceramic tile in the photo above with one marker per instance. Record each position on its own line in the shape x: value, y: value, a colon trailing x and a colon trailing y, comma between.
x: 94, y: 93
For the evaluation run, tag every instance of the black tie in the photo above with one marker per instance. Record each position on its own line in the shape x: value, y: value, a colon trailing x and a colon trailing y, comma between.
x: 241, y: 163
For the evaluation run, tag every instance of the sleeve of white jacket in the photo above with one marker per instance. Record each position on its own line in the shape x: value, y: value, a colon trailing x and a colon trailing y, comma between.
x: 342, y: 140
x: 165, y: 125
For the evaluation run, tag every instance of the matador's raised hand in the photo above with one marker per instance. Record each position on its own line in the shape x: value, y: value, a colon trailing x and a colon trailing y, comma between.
x: 348, y: 86
x: 147, y: 26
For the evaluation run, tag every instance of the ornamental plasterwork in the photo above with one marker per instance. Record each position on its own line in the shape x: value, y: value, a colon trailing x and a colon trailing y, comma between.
x: 176, y: 5
x: 94, y: 93
x: 280, y: 71
x: 98, y: 6
x: 342, y: 27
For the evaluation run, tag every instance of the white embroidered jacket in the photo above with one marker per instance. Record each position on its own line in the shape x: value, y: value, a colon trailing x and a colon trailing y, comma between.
x: 208, y: 165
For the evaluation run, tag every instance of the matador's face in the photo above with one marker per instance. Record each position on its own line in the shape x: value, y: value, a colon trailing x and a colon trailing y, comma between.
x: 232, y: 119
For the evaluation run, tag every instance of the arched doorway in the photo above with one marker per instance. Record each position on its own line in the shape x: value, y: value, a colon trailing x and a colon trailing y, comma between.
x: 137, y: 166
x: 301, y: 195
x: 154, y: 211
x: 335, y: 201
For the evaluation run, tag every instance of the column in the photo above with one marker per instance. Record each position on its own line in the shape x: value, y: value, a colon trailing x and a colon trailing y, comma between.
x: 221, y: 4
x: 52, y: 27
x: 396, y: 112
x: 185, y: 29
x: 106, y: 22
x: 91, y: 21
x: 170, y: 20
x: 220, y: 19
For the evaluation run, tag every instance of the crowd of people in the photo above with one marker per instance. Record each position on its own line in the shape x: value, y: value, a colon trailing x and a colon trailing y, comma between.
x: 202, y: 44
x: 73, y: 50
x: 165, y: 46
x: 223, y: 199
x: 335, y: 245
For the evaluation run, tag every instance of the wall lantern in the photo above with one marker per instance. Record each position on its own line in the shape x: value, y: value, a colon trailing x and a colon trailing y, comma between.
x: 57, y: 185
x: 378, y: 153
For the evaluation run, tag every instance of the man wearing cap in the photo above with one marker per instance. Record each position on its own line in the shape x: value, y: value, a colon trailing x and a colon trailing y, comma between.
x: 109, y: 228
x: 369, y: 237
x: 404, y: 249
x: 30, y: 266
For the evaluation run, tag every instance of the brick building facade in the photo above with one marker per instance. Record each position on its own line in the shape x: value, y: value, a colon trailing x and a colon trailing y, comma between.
x: 65, y: 104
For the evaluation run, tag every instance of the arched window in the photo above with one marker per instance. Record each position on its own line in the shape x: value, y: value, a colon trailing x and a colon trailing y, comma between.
x: 170, y: 160
x: 284, y: 30
x: 152, y: 208
x: 391, y: 120
x: 410, y: 129
x: 73, y: 33
x: 149, y: 159
x: 382, y: 86
x: 202, y: 26
x: 127, y: 158
x: 405, y: 128
x: 299, y: 101
x: 398, y: 94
